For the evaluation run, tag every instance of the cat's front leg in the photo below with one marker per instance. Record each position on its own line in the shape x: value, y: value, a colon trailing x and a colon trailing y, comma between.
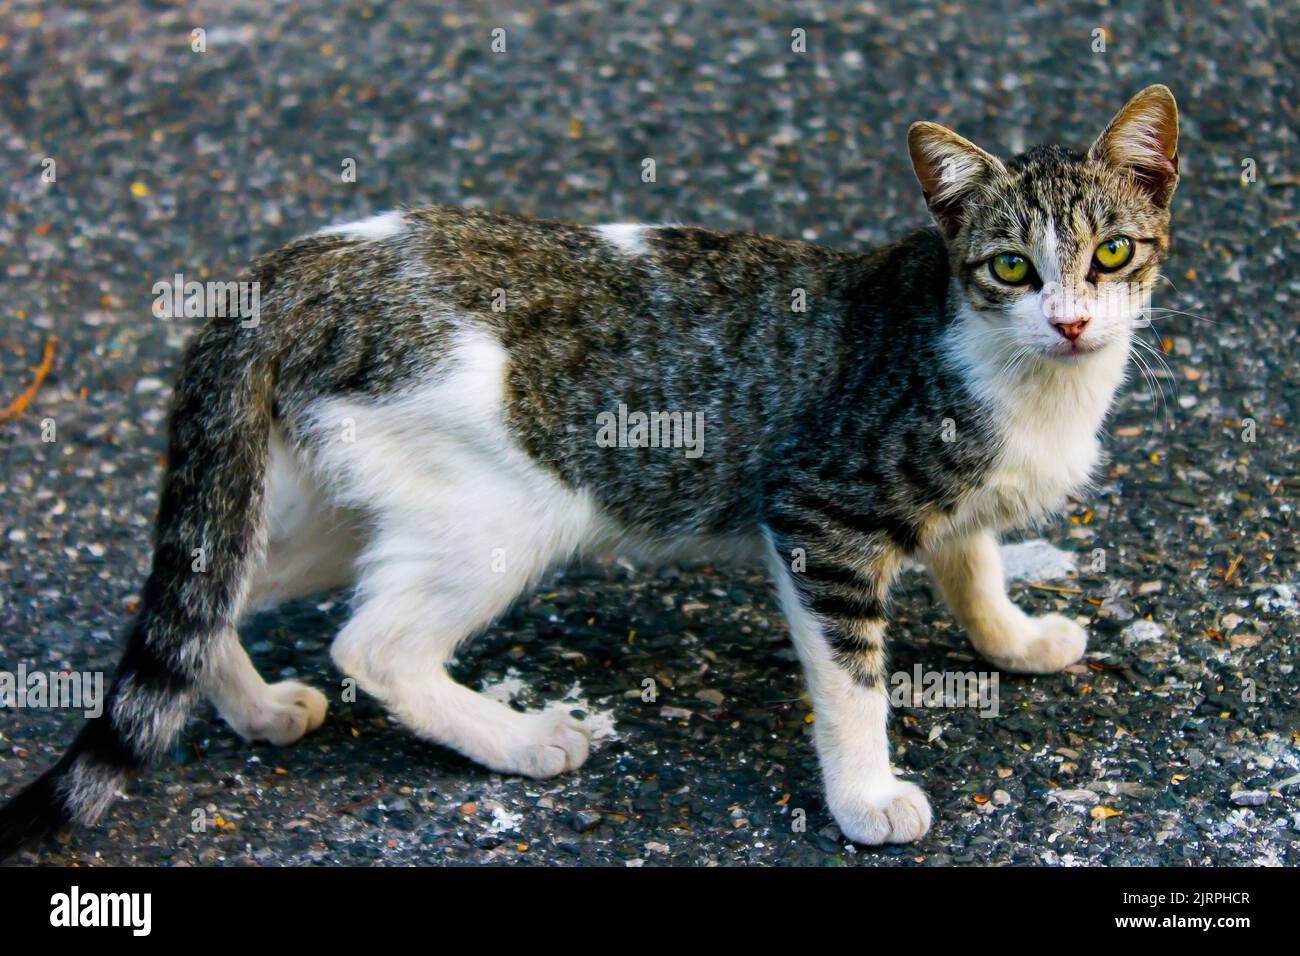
x: 968, y: 570
x: 833, y: 598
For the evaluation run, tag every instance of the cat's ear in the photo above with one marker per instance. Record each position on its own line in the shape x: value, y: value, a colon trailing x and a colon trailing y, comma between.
x: 1143, y: 139
x: 948, y: 168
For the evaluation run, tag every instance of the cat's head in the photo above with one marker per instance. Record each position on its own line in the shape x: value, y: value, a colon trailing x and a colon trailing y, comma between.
x: 1056, y: 252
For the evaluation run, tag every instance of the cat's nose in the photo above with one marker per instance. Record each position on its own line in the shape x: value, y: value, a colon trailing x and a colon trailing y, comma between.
x: 1072, y: 329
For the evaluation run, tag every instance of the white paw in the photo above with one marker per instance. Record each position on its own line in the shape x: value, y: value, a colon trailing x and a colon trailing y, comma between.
x: 1054, y: 642
x: 891, y: 812
x: 289, y: 711
x: 556, y: 742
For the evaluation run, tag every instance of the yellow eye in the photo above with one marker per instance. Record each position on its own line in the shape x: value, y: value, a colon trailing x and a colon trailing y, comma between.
x: 1113, y: 253
x: 1010, y: 268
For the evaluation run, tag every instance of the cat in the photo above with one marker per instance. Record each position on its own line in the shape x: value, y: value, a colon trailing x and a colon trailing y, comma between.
x: 418, y: 413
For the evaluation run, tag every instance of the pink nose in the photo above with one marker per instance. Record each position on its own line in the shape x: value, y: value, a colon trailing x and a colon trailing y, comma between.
x: 1071, y: 330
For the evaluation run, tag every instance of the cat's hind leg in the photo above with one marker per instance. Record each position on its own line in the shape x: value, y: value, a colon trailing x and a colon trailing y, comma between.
x: 968, y: 570
x: 311, y: 546
x: 456, y: 537
x: 460, y: 521
x: 423, y: 592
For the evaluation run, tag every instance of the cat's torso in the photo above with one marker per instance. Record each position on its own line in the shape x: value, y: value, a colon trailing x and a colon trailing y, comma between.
x: 781, y: 375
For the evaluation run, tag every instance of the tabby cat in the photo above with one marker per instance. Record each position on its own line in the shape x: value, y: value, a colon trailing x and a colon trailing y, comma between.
x: 437, y: 405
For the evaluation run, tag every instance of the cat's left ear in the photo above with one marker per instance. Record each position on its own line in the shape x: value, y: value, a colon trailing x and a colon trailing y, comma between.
x: 1143, y: 139
x: 949, y: 168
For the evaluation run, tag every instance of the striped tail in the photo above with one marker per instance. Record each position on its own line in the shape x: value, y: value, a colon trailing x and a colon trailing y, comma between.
x: 208, y: 536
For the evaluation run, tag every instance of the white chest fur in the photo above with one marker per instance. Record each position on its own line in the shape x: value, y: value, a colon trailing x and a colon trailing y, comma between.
x: 1036, y: 469
x: 1048, y: 418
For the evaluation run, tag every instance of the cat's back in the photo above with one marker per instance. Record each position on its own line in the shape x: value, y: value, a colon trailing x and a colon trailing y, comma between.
x: 521, y: 272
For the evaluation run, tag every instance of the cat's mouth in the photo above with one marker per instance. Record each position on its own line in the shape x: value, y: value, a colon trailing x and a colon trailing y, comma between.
x: 1070, y: 350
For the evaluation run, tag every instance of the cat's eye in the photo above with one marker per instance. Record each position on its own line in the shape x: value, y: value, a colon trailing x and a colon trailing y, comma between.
x: 1113, y: 253
x: 1010, y: 268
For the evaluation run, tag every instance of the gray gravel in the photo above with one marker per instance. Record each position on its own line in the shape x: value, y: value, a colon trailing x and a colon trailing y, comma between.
x: 1176, y: 743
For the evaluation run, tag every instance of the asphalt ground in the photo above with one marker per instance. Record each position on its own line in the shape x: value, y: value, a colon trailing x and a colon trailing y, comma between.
x: 1176, y: 743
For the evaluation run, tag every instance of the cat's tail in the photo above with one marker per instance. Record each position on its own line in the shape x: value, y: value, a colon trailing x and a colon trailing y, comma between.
x: 208, y: 535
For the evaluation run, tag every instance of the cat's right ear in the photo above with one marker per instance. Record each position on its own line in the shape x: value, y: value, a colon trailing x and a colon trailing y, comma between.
x: 948, y: 168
